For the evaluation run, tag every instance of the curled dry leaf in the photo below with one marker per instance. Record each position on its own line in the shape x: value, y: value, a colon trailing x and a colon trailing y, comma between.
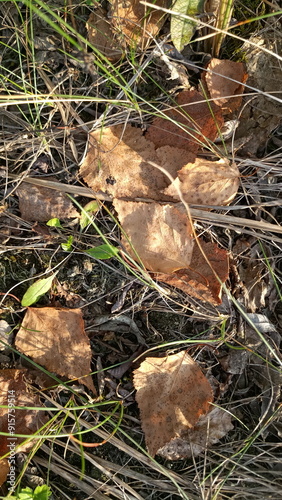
x: 172, y: 394
x: 205, y: 182
x: 199, y: 122
x: 100, y: 35
x: 55, y: 338
x: 161, y: 235
x: 135, y: 23
x: 13, y: 391
x: 209, y: 429
x: 205, y: 274
x: 225, y: 80
x: 117, y: 164
x: 40, y: 204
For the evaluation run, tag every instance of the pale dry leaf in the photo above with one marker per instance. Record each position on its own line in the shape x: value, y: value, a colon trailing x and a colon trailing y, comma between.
x: 101, y: 36
x: 55, y: 338
x: 205, y: 275
x: 161, y: 235
x: 205, y: 182
x: 199, y: 122
x: 135, y: 23
x: 225, y: 80
x: 4, y: 470
x: 117, y: 164
x: 13, y: 391
x: 172, y: 394
x: 37, y: 203
x: 209, y: 429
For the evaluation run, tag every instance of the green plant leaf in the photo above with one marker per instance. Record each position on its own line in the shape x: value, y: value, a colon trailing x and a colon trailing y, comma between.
x: 103, y: 252
x: 42, y: 492
x: 182, y: 29
x: 37, y: 290
x: 68, y: 245
x: 90, y: 208
x: 54, y: 222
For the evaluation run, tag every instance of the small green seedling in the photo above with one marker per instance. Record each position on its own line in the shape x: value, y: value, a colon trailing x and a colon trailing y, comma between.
x: 90, y: 208
x: 37, y: 290
x: 103, y: 252
x: 54, y: 223
x: 40, y: 493
x: 68, y: 245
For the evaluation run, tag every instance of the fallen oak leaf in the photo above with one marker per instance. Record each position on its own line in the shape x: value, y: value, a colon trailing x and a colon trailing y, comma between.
x: 205, y: 182
x: 224, y: 81
x: 172, y: 394
x: 159, y: 235
x: 54, y: 337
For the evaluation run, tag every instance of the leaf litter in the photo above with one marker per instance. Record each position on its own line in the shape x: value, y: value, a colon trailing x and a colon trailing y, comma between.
x: 46, y: 334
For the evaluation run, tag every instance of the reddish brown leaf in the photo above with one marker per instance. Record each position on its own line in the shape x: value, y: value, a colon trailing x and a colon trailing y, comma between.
x: 200, y: 279
x: 40, y: 204
x: 136, y: 23
x: 117, y: 164
x: 54, y: 337
x: 13, y: 392
x: 172, y: 393
x: 4, y: 470
x: 101, y: 36
x: 219, y: 79
x: 205, y: 182
x: 161, y: 235
x: 198, y: 121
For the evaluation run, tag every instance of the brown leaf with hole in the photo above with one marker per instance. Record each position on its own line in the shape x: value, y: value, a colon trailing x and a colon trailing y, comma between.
x: 172, y: 394
x: 117, y: 164
x: 4, y: 470
x: 199, y: 280
x: 135, y: 23
x: 40, y: 204
x: 224, y: 81
x: 208, y: 430
x: 205, y: 182
x: 14, y: 392
x: 55, y: 338
x: 199, y: 122
x: 161, y: 235
x: 100, y: 35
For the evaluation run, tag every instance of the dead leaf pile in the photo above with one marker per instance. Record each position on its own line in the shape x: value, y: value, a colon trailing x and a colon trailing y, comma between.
x: 160, y: 235
x: 174, y: 398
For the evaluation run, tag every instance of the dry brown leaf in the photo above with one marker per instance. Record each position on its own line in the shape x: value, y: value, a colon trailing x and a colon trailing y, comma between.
x: 40, y: 204
x: 205, y: 182
x: 54, y: 337
x: 209, y: 429
x: 172, y: 394
x: 135, y: 23
x: 117, y: 164
x: 4, y: 470
x: 12, y: 385
x: 199, y: 119
x: 101, y: 36
x: 199, y: 279
x: 161, y: 235
x: 222, y: 88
